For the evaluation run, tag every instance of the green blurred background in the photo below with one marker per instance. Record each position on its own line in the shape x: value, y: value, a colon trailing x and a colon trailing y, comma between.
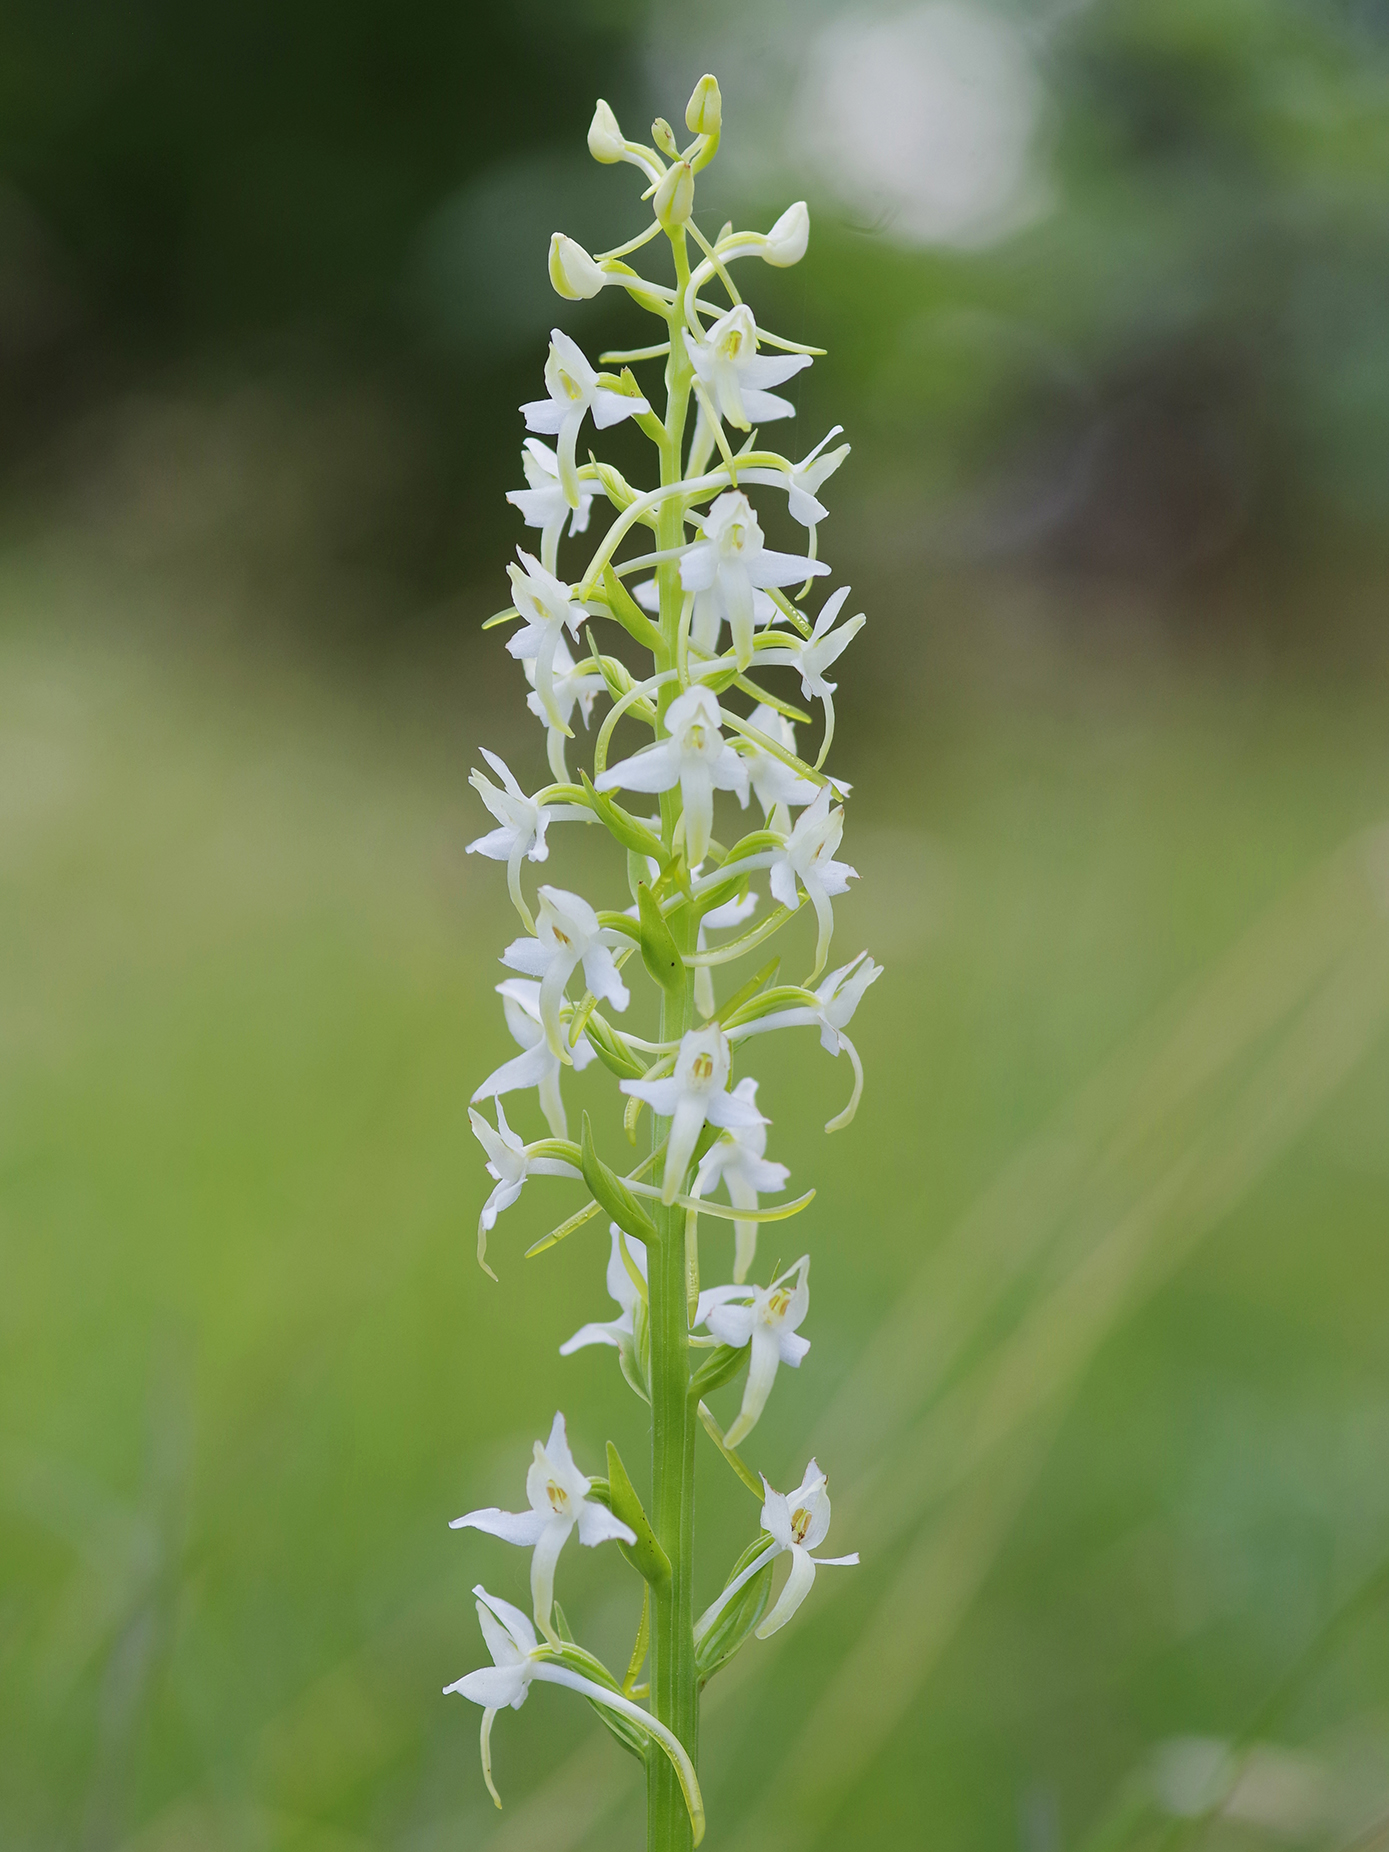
x: 1100, y: 1272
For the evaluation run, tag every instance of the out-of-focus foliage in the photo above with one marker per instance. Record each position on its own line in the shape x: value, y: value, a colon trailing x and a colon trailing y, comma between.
x: 1158, y: 340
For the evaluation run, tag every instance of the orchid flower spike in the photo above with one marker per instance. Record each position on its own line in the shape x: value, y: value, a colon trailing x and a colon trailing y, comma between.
x: 519, y: 1660
x: 543, y: 503
x: 694, y: 1093
x: 796, y: 1523
x: 729, y: 565
x: 735, y: 377
x: 559, y: 1500
x: 773, y: 781
x: 545, y: 604
x: 510, y: 1163
x: 574, y: 390
x: 621, y: 1287
x: 567, y: 935
x: 539, y: 1066
x: 694, y: 755
x: 802, y: 481
x: 768, y: 1321
x: 808, y: 857
x: 837, y: 997
x: 737, y: 1158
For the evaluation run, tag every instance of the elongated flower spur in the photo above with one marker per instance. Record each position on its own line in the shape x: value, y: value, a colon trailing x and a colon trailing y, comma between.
x: 650, y: 967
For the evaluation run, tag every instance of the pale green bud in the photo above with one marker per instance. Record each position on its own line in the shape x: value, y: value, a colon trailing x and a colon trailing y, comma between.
x: 674, y: 200
x: 573, y: 272
x: 664, y: 137
x: 788, y: 238
x: 704, y: 111
x: 605, y: 142
x: 616, y: 486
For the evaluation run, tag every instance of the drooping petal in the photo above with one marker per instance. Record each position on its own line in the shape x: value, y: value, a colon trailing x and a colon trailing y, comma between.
x: 797, y: 1587
x: 763, y: 1359
x: 686, y: 1123
x: 553, y: 1537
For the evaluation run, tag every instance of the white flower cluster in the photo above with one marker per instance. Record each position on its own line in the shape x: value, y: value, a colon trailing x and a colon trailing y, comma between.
x: 717, y: 613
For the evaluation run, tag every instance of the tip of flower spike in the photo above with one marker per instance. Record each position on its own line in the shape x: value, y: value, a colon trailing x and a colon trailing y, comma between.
x: 704, y: 111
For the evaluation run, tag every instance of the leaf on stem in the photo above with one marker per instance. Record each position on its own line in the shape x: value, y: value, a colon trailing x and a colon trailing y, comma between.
x: 610, y: 1050
x: 645, y: 1555
x: 737, y: 1621
x: 630, y: 831
x: 609, y: 1190
x: 660, y: 954
x: 629, y: 613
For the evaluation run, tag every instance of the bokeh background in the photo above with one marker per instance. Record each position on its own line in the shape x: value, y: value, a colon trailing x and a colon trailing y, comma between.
x: 1101, y: 1270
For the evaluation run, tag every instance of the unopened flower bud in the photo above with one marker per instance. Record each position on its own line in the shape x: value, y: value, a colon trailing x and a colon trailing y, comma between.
x: 616, y: 486
x: 788, y: 238
x: 573, y: 272
x: 605, y: 142
x: 704, y: 111
x: 674, y: 200
x: 664, y: 137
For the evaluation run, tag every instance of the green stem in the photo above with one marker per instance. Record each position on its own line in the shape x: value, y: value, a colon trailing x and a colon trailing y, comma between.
x: 674, y: 1687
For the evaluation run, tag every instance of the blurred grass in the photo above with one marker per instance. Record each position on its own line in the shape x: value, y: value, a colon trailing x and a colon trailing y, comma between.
x: 250, y: 1370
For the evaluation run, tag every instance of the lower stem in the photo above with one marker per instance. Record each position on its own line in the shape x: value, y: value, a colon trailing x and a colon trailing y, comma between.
x: 674, y: 1691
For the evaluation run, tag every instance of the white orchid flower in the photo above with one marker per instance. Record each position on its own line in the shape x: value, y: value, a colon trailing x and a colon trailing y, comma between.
x: 803, y: 481
x: 772, y: 779
x: 730, y: 565
x: 519, y: 1660
x: 837, y: 997
x: 571, y: 685
x: 621, y: 1287
x: 509, y: 1162
x: 821, y: 649
x: 543, y: 503
x: 694, y: 1093
x: 567, y: 935
x: 694, y: 755
x: 808, y: 857
x: 538, y: 1066
x: 768, y: 1321
x: 731, y: 913
x: 520, y: 835
x: 574, y: 391
x: 796, y: 1522
x: 559, y: 1501
x: 735, y: 377
x: 737, y: 1159
x: 545, y: 605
